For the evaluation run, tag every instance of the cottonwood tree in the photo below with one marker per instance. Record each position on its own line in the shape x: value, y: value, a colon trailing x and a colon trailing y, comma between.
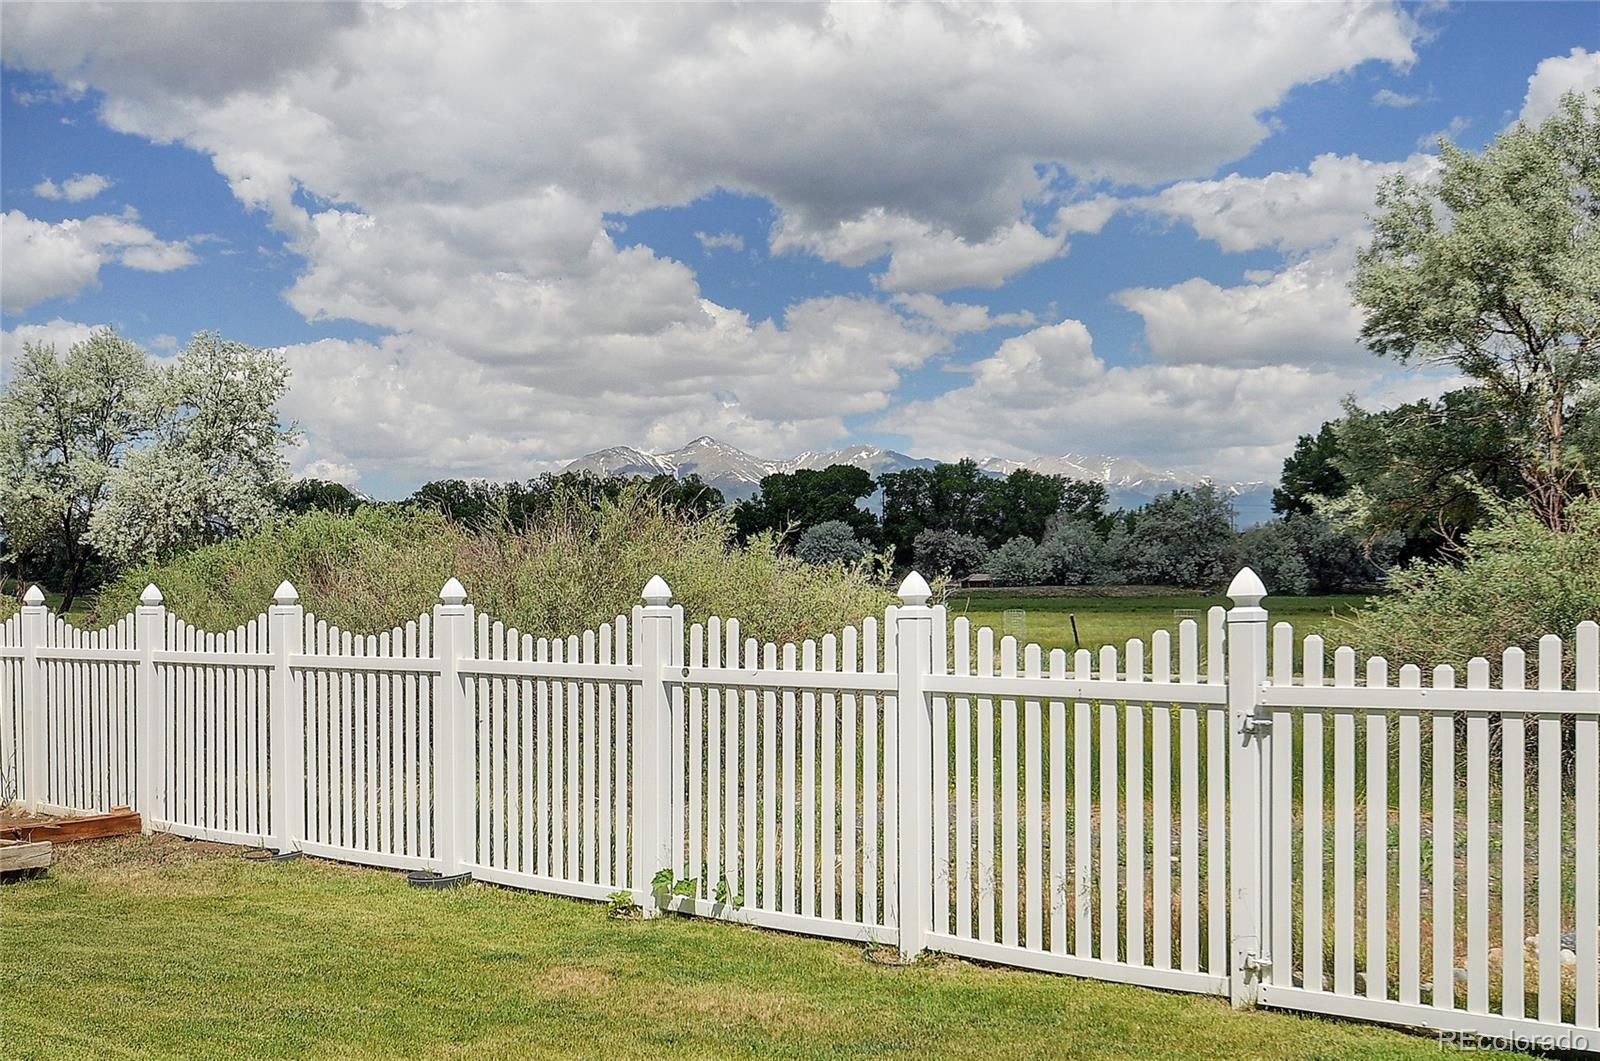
x: 1493, y: 270
x: 806, y: 498
x: 320, y: 495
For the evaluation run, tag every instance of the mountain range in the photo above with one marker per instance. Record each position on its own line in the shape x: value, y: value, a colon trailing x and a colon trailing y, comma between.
x: 1129, y: 482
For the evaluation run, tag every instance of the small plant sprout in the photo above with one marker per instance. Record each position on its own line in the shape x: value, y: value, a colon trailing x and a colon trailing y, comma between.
x: 620, y: 904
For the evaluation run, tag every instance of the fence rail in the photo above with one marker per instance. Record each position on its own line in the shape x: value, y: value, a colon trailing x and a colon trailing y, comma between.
x: 1194, y: 812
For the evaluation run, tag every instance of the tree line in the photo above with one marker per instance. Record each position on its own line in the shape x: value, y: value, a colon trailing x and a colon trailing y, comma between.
x: 112, y: 458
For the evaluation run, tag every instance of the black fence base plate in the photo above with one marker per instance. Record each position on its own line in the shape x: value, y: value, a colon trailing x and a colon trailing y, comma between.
x: 264, y: 855
x: 422, y: 878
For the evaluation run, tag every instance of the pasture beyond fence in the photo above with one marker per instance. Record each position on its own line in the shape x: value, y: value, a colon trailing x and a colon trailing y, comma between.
x: 1205, y: 817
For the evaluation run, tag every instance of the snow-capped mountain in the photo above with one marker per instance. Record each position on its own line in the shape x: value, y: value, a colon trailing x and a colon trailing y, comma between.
x: 738, y: 474
x: 730, y: 469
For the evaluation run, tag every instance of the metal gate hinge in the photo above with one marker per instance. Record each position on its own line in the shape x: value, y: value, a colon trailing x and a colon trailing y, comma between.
x: 1257, y: 964
x: 1254, y: 725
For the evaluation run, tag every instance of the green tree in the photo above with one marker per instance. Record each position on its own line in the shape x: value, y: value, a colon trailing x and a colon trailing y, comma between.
x: 320, y: 495
x: 1421, y: 469
x: 1311, y: 472
x: 951, y: 497
x: 68, y: 422
x: 1023, y: 503
x: 474, y: 503
x: 1083, y: 499
x: 1509, y: 582
x: 482, y: 504
x: 689, y: 496
x: 1493, y: 271
x: 797, y: 500
x: 1336, y: 561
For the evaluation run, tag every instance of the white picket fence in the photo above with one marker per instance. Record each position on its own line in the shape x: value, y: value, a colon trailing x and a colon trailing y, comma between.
x: 1196, y: 817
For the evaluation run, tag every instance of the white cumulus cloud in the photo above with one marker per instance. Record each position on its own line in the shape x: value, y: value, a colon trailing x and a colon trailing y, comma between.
x: 51, y: 260
x: 1577, y: 71
x: 74, y: 189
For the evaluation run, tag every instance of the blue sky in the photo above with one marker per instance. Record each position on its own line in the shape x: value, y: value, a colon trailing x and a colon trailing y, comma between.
x: 494, y: 239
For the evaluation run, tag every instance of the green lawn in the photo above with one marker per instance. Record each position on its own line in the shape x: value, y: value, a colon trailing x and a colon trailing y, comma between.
x: 1112, y: 620
x: 160, y: 947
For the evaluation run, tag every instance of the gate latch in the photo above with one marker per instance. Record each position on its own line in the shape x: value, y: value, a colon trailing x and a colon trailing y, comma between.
x: 1257, y: 964
x: 1254, y: 725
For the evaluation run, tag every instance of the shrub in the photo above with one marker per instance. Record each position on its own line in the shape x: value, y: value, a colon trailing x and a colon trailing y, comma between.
x: 1271, y: 551
x: 948, y: 552
x: 1512, y: 580
x: 1071, y: 554
x: 832, y: 541
x: 580, y: 564
x: 1335, y: 560
x: 1016, y: 563
x: 1184, y: 538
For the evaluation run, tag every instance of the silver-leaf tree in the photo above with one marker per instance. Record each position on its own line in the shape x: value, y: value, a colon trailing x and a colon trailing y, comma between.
x: 108, y: 454
x: 66, y: 423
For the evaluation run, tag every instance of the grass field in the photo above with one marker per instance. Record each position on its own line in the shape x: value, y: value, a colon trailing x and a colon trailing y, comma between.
x: 162, y: 947
x: 1112, y: 620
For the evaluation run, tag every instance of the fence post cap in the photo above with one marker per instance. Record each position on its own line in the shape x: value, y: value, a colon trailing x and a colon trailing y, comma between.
x: 453, y: 593
x: 914, y: 590
x: 656, y: 591
x: 1246, y: 589
x: 34, y: 597
x: 285, y: 593
x: 150, y: 596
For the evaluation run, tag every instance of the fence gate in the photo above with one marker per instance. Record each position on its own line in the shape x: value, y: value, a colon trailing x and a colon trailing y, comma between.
x: 1444, y: 840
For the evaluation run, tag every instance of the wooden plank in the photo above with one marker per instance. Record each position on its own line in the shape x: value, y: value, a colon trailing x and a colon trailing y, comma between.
x: 19, y: 855
x: 121, y: 821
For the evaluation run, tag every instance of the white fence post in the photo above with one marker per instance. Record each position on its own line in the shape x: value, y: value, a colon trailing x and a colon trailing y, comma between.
x: 1247, y: 667
x: 913, y: 656
x: 652, y: 743
x: 33, y: 620
x: 286, y: 631
x: 454, y: 781
x: 150, y: 632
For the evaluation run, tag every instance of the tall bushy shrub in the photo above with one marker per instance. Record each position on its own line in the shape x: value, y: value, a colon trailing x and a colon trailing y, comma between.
x: 580, y: 565
x: 1270, y: 551
x: 1184, y: 538
x: 948, y: 552
x: 1071, y: 554
x: 1511, y: 581
x: 1015, y: 563
x: 832, y: 541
